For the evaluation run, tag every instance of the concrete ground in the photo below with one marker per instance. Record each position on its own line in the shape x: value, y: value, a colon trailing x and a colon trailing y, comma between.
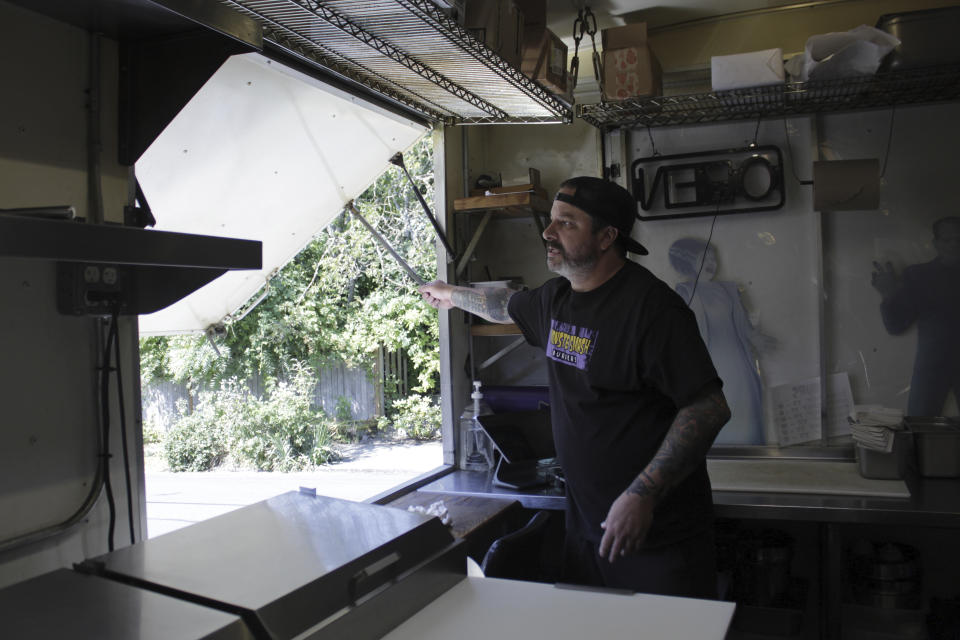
x: 175, y: 500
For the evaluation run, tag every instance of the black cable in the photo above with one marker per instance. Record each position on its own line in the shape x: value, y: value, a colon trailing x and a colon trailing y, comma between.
x: 105, y: 412
x: 886, y: 154
x: 793, y: 169
x: 653, y: 146
x: 706, y: 247
x: 123, y: 429
x: 756, y: 132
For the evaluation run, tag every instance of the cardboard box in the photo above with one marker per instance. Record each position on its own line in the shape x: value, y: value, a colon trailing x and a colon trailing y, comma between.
x: 453, y: 9
x: 544, y: 58
x: 511, y: 29
x: 753, y: 69
x: 534, y: 11
x: 499, y: 25
x: 630, y: 70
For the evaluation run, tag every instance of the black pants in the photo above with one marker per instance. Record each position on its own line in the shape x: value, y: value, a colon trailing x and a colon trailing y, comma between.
x: 686, y: 568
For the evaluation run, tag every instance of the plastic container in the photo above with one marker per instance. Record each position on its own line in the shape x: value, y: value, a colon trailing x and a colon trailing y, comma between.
x: 503, y: 399
x: 476, y: 450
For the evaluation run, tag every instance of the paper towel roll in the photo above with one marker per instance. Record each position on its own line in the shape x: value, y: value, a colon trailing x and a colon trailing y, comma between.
x: 845, y: 185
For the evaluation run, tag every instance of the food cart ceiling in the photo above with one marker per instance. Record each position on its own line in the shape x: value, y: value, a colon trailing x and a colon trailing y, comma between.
x: 261, y: 152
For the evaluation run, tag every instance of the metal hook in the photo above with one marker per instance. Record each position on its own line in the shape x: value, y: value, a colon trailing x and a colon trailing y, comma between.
x: 590, y: 21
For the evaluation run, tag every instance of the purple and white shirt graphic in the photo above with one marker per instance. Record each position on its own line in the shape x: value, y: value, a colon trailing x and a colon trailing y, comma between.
x: 571, y: 345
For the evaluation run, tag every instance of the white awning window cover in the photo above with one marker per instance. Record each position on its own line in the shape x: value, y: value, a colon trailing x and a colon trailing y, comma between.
x: 262, y: 152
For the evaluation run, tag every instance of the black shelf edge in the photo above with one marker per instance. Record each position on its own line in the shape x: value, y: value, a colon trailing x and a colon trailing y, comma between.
x: 883, y: 90
x: 22, y: 237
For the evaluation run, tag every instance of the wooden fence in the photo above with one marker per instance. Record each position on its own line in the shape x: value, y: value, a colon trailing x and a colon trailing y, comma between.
x: 366, y: 396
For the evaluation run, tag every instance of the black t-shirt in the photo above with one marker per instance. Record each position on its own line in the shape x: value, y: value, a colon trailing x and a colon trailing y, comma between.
x: 622, y: 359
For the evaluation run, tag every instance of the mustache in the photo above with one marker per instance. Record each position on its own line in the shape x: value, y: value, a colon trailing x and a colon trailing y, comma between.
x: 554, y: 245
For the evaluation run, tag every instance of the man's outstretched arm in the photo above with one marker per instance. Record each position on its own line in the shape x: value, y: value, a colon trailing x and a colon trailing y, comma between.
x: 488, y: 303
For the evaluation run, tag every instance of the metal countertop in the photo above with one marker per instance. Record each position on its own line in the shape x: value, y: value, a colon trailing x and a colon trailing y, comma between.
x: 933, y: 502
x: 68, y: 604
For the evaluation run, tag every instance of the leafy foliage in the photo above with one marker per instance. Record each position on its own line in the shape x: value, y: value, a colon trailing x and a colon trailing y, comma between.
x: 418, y: 416
x: 283, y: 432
x: 197, y: 441
x: 340, y: 299
x: 280, y: 432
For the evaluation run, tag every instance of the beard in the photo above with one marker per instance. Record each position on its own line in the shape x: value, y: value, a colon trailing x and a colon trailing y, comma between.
x: 571, y: 263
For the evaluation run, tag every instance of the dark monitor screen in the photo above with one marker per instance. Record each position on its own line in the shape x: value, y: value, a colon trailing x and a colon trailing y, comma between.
x: 520, y: 435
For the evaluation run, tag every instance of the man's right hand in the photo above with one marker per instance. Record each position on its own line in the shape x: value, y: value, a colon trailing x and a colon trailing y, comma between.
x: 438, y: 294
x: 884, y: 279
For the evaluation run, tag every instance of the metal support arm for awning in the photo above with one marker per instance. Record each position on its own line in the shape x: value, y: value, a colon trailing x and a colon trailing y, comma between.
x: 397, y: 159
x: 386, y: 245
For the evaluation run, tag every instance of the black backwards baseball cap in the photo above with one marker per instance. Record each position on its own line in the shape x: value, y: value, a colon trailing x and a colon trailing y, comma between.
x: 605, y: 200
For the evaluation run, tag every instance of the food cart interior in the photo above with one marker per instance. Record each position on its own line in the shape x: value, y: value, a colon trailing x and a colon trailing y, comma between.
x: 771, y: 181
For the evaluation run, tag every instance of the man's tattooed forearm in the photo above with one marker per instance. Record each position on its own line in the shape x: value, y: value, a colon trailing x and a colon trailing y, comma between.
x: 486, y: 303
x: 645, y: 485
x: 685, y: 445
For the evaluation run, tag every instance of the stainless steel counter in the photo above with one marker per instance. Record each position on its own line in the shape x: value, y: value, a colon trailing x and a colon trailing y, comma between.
x: 299, y: 565
x: 69, y: 604
x: 479, y: 483
x: 932, y: 502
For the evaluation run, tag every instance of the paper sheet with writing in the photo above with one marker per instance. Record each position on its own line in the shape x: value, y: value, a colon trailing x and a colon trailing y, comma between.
x: 796, y: 409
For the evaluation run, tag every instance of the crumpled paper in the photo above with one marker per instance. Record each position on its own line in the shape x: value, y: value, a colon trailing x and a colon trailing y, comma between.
x: 857, y: 52
x: 438, y: 509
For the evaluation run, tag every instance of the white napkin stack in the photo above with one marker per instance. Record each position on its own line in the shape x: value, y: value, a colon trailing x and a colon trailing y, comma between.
x: 873, y: 426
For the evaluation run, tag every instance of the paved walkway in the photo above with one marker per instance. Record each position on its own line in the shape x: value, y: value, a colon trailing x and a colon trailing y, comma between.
x: 175, y: 500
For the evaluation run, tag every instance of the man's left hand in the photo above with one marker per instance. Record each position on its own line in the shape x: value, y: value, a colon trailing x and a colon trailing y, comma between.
x: 626, y: 525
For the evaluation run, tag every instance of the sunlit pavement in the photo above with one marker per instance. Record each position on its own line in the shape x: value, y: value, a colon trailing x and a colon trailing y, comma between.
x: 175, y: 500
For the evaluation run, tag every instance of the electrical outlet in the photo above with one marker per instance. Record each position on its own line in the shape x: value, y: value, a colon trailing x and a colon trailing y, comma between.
x: 93, y: 289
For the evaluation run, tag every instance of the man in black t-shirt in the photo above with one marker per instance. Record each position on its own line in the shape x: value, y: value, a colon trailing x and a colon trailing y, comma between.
x: 635, y: 399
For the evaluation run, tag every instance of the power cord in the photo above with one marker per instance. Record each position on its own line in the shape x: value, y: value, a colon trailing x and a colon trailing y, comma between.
x: 105, y: 420
x: 793, y: 169
x: 123, y: 428
x: 886, y: 154
x: 653, y: 145
x: 706, y: 247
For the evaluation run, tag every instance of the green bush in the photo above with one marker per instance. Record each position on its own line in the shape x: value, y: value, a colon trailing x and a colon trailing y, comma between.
x: 283, y: 432
x: 280, y: 432
x: 152, y: 434
x: 416, y: 416
x: 196, y: 442
x: 344, y: 409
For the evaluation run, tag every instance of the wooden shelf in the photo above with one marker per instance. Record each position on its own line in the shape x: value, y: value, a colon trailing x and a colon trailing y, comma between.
x: 516, y: 204
x: 510, y: 205
x: 495, y: 330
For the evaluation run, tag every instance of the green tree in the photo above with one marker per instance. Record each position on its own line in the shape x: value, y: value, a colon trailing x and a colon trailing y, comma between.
x: 340, y: 299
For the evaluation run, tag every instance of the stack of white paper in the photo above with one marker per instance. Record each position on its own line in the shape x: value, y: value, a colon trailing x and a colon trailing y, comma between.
x: 873, y: 426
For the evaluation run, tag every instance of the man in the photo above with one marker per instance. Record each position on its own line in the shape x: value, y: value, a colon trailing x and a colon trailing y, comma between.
x: 635, y: 399
x: 927, y: 296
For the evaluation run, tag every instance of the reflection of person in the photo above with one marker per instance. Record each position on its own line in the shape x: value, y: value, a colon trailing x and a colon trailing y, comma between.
x: 727, y: 332
x: 927, y: 295
x: 635, y: 399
